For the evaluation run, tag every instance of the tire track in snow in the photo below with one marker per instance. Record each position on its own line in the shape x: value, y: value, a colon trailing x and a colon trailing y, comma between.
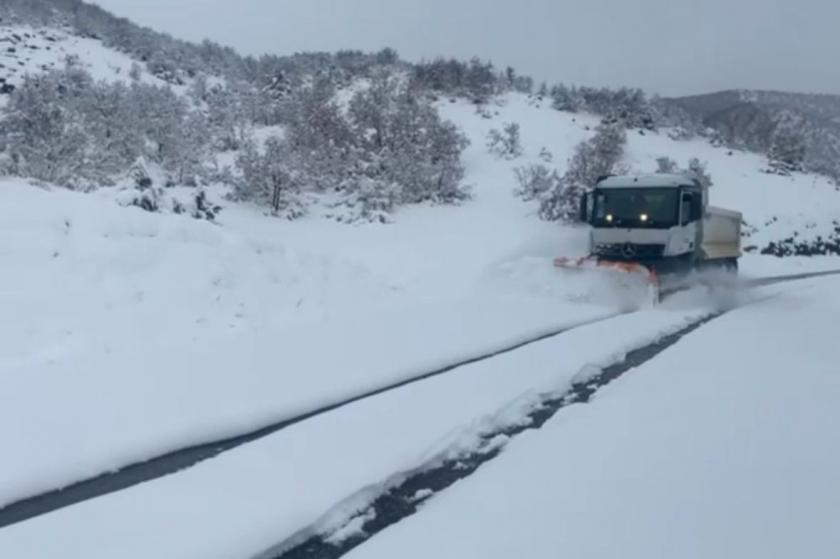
x: 753, y: 283
x: 181, y: 459
x: 403, y: 500
x: 792, y: 277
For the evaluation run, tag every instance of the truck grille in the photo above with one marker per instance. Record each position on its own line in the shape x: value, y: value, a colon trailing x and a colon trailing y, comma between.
x: 630, y: 251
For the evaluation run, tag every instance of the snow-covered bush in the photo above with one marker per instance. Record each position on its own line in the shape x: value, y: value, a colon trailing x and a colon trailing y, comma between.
x: 546, y: 155
x: 145, y: 192
x: 666, y: 165
x: 482, y: 111
x: 506, y: 144
x: 680, y: 134
x: 695, y: 168
x: 700, y: 171
x: 828, y: 245
x: 535, y: 181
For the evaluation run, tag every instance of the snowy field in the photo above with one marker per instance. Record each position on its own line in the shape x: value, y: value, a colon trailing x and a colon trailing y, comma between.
x: 130, y: 334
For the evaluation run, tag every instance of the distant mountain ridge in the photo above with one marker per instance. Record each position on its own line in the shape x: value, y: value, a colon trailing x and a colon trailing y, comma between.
x: 748, y: 118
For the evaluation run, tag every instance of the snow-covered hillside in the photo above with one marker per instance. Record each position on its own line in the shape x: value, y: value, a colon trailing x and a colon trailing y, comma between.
x: 775, y: 207
x: 31, y: 50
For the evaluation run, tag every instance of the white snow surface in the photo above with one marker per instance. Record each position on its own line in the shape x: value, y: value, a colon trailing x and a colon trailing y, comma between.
x: 723, y: 446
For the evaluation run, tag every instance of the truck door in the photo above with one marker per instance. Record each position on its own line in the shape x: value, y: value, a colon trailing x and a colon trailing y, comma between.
x: 688, y: 234
x: 691, y: 218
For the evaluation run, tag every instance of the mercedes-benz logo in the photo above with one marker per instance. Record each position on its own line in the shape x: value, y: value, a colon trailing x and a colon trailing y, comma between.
x: 628, y: 250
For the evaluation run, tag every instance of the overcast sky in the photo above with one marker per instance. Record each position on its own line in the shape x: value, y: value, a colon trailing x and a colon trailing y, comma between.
x: 666, y: 46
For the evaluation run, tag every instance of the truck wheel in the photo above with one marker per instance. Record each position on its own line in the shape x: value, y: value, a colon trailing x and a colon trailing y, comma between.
x: 730, y: 265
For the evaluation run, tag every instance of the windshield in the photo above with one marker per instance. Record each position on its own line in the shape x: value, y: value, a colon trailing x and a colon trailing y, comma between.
x: 636, y: 207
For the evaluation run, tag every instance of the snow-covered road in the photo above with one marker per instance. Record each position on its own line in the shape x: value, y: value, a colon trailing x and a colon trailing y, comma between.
x: 724, y: 446
x: 265, y: 492
x: 314, y: 476
x: 187, y: 457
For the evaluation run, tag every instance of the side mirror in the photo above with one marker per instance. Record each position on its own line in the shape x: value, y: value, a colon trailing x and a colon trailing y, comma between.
x: 583, y: 210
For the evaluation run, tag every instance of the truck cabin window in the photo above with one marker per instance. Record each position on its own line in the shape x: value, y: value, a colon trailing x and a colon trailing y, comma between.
x: 686, y: 209
x: 654, y: 208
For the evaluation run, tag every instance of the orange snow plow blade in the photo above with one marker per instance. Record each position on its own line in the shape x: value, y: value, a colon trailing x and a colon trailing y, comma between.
x: 648, y: 275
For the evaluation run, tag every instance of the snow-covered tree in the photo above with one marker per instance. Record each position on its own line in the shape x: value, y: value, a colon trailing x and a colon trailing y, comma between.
x: 321, y: 136
x: 787, y: 144
x: 189, y: 160
x: 270, y: 176
x: 45, y: 139
x: 401, y: 140
x: 63, y: 127
x: 480, y: 80
x: 592, y: 159
x: 566, y: 99
x: 228, y: 116
x: 475, y: 79
x: 45, y: 128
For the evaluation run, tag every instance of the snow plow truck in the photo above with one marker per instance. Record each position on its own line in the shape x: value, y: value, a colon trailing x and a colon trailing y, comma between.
x: 658, y: 226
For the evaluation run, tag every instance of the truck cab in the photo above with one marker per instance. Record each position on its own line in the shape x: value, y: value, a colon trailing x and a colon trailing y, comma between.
x: 662, y: 221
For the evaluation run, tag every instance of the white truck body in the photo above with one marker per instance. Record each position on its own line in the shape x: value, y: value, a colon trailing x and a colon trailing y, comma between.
x: 662, y: 221
x: 721, y: 234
